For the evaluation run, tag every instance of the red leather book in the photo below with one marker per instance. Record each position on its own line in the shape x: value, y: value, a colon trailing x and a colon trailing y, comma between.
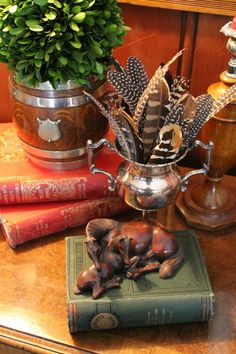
x: 23, y: 182
x: 21, y: 223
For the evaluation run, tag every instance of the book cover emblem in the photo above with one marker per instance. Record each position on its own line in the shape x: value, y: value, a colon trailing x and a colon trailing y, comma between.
x: 104, y: 320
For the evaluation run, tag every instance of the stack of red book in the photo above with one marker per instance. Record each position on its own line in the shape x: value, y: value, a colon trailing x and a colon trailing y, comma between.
x: 35, y: 202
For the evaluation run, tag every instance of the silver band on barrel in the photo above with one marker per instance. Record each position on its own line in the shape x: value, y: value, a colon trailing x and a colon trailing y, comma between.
x: 58, y: 165
x: 60, y: 102
x: 45, y: 158
x: 55, y: 154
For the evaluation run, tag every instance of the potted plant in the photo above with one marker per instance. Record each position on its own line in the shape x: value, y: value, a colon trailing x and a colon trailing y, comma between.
x: 55, y: 50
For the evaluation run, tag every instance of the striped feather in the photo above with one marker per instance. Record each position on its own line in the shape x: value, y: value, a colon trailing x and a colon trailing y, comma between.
x: 129, y: 119
x: 153, y: 83
x: 132, y: 139
x: 175, y: 115
x: 225, y: 98
x: 179, y: 87
x: 168, y: 146
x: 154, y: 117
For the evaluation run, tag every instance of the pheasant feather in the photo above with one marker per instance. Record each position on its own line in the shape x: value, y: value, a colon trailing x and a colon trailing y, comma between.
x: 228, y: 96
x: 204, y: 107
x: 178, y: 88
x: 175, y: 115
x: 169, y: 144
x: 114, y: 125
x: 154, y: 118
x: 189, y: 104
x: 133, y: 141
x: 129, y: 119
x: 159, y: 74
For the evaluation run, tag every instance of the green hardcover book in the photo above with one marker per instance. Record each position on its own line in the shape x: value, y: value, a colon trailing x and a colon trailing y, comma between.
x: 185, y: 297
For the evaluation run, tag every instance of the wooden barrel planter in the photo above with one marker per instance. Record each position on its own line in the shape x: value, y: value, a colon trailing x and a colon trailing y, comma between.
x: 55, y: 124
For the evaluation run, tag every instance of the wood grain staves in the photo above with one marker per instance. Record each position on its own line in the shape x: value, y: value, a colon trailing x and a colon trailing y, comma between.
x: 162, y: 118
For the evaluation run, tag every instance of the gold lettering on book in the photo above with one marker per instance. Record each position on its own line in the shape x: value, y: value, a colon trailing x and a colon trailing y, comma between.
x: 54, y: 189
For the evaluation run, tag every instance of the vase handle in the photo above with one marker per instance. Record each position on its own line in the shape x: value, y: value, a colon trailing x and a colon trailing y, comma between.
x: 93, y: 169
x: 204, y: 169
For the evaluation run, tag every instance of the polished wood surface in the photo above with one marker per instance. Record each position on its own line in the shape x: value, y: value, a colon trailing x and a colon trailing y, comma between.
x: 33, y: 314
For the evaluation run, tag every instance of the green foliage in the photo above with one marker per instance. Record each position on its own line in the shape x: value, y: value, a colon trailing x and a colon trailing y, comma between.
x: 57, y: 41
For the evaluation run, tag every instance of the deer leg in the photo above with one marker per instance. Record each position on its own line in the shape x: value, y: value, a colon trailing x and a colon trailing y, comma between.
x: 133, y: 261
x: 100, y: 288
x: 169, y: 266
x: 136, y: 273
x: 113, y: 282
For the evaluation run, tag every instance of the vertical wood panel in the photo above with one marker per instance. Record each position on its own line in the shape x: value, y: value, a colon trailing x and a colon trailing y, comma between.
x: 189, y: 44
x: 154, y: 37
x: 5, y: 101
x: 210, y: 55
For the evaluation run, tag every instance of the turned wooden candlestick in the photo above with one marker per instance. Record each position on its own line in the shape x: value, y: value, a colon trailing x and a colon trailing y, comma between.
x: 211, y: 205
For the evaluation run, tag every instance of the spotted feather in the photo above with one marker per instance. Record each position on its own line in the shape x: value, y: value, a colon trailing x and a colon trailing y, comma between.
x: 117, y: 65
x: 125, y: 88
x: 137, y: 72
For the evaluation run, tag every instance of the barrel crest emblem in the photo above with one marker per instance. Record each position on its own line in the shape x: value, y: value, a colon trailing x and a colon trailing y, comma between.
x: 49, y: 130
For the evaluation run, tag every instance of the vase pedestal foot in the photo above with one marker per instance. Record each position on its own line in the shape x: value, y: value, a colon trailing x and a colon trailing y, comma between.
x: 202, y: 208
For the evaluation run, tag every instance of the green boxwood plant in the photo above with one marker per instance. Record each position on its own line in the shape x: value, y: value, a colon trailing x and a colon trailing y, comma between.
x: 59, y: 40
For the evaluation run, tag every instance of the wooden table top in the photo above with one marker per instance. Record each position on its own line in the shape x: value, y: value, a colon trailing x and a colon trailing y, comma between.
x: 33, y: 314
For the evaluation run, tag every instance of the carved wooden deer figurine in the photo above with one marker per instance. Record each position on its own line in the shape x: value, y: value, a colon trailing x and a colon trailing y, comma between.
x: 132, y: 247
